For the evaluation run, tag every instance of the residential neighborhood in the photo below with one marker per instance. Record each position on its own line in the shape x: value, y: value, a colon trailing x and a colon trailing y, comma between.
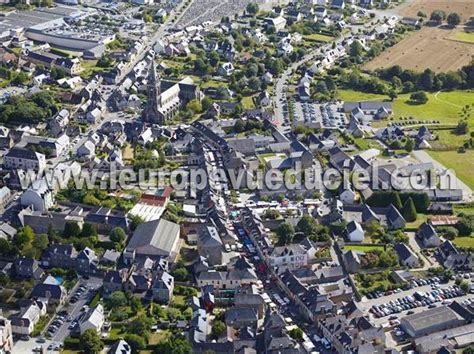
x: 236, y: 177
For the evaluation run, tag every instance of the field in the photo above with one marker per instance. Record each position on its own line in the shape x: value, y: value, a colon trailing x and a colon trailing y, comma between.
x: 316, y: 37
x: 463, y: 35
x: 363, y: 248
x: 461, y: 163
x: 444, y: 106
x: 426, y: 48
x: 465, y: 8
x: 466, y: 242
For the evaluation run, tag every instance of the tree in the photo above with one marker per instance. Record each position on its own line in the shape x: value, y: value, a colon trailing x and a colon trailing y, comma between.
x: 105, y: 61
x: 285, y: 233
x: 462, y: 128
x: 271, y: 214
x: 20, y: 78
x: 419, y: 97
x: 88, y: 230
x: 252, y: 8
x: 356, y: 49
x: 454, y: 19
x: 23, y: 238
x: 296, y: 334
x: 174, y: 345
x: 72, y: 229
x: 218, y: 328
x: 438, y: 16
x: 181, y: 274
x: 465, y: 225
x: 135, y: 341
x: 306, y: 225
x: 117, y: 235
x: 392, y: 94
x: 90, y: 342
x: 194, y: 106
x: 409, y: 145
x: 409, y: 210
x: 41, y: 242
x: 117, y: 299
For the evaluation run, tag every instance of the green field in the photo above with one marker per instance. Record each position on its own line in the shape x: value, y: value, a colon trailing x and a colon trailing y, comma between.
x: 247, y: 102
x: 466, y: 242
x: 445, y: 107
x: 447, y: 140
x: 461, y: 163
x: 463, y: 36
x: 315, y: 37
x: 363, y: 248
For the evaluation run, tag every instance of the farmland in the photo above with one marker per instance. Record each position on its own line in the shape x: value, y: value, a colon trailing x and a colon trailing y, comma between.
x: 430, y: 48
x: 463, y: 35
x: 464, y: 8
x: 461, y: 163
x: 444, y: 106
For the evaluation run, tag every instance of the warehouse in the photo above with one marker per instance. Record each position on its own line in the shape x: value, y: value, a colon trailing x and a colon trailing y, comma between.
x: 431, y: 321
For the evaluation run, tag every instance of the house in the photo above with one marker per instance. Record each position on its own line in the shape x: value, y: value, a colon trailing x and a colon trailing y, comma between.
x: 347, y: 195
x: 86, y: 151
x: 338, y: 4
x: 58, y: 256
x: 113, y: 281
x: 354, y: 232
x: 26, y: 159
x: 427, y: 235
x: 24, y: 323
x: 352, y: 261
x: 154, y: 239
x: 209, y: 245
x: 406, y: 256
x: 277, y: 23
x: 241, y: 317
x: 49, y: 292
x: 120, y: 347
x: 163, y: 287
x: 5, y: 196
x: 227, y: 280
x: 320, y: 12
x: 451, y: 258
x: 263, y: 99
x: 6, y: 335
x: 410, y: 21
x: 27, y: 268
x: 39, y: 196
x: 225, y: 69
x: 93, y: 319
x: 291, y: 257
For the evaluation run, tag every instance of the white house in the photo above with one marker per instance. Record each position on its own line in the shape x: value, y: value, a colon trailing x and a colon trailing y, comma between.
x: 87, y: 150
x: 355, y: 233
x: 26, y: 159
x: 226, y: 69
x: 288, y: 257
x: 94, y: 319
x: 38, y: 195
x: 24, y: 323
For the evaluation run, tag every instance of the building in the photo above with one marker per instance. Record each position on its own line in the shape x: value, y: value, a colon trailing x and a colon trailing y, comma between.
x: 21, y: 158
x: 93, y: 319
x: 278, y: 23
x: 406, y: 256
x: 120, y: 347
x: 163, y: 287
x: 288, y: 257
x: 6, y: 336
x: 154, y: 239
x: 227, y: 280
x: 427, y: 235
x: 431, y: 321
x: 49, y: 292
x: 354, y: 231
x: 39, y: 196
x: 24, y: 323
x: 209, y: 245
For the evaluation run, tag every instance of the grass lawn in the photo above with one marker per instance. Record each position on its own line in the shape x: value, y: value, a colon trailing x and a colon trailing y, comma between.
x: 158, y: 337
x: 179, y: 300
x: 247, y: 102
x: 463, y: 36
x: 461, y: 163
x: 469, y: 210
x: 316, y: 37
x: 447, y: 140
x: 421, y: 218
x: 466, y: 242
x: 365, y: 143
x: 445, y: 107
x: 363, y: 248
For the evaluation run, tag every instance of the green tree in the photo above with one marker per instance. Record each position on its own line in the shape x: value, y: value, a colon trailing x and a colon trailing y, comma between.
x: 24, y: 237
x: 252, y: 8
x: 90, y: 342
x: 285, y: 233
x: 419, y: 97
x: 194, y: 106
x: 117, y: 235
x: 454, y: 19
x: 438, y: 16
x: 296, y: 334
x: 72, y: 229
x: 409, y: 210
x: 174, y: 345
x: 271, y: 214
x: 181, y: 274
x: 88, y: 230
x: 356, y: 49
x: 409, y: 145
x: 306, y: 225
x: 117, y: 299
x: 136, y: 342
x: 462, y: 128
x: 218, y: 328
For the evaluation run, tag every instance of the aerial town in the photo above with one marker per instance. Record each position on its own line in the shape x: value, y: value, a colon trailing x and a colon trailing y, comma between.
x: 245, y: 176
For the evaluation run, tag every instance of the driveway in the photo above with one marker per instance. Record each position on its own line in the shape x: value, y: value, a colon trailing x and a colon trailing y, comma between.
x: 424, y: 157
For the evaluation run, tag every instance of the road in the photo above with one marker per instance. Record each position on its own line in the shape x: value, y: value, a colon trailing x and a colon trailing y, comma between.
x: 424, y: 157
x: 75, y: 309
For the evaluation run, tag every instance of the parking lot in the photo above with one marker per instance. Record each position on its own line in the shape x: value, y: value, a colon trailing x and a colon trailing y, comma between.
x: 67, y: 318
x: 313, y: 115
